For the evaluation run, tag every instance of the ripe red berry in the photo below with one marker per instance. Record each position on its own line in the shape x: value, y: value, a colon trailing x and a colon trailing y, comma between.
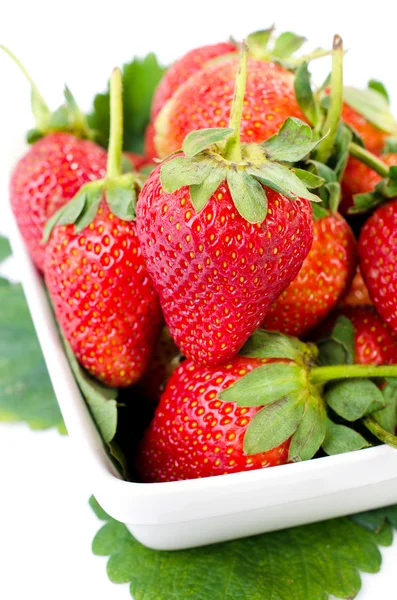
x: 205, y: 101
x: 324, y: 278
x: 194, y: 434
x: 216, y: 273
x: 103, y: 297
x: 358, y: 293
x: 182, y: 69
x: 378, y: 260
x: 46, y: 178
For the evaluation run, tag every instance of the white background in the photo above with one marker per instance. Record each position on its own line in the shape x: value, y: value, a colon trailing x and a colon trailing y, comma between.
x: 46, y: 525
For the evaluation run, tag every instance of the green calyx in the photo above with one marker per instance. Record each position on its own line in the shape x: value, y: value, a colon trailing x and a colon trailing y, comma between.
x: 213, y: 156
x: 67, y: 118
x: 300, y: 396
x: 264, y: 45
x: 120, y: 190
x: 385, y: 190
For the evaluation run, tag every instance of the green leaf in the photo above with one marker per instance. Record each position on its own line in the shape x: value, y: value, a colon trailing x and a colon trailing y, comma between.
x: 202, y: 192
x: 342, y: 150
x: 310, y: 434
x: 304, y: 94
x: 373, y: 106
x: 309, y: 179
x: 339, y: 439
x: 259, y: 39
x: 339, y: 347
x: 121, y: 199
x: 101, y: 400
x: 319, y: 212
x: 59, y: 119
x: 378, y: 86
x: 264, y: 385
x: 5, y: 249
x: 248, y: 196
x: 387, y: 417
x: 281, y: 179
x: 365, y: 202
x: 196, y: 141
x: 390, y: 146
x: 375, y: 520
x: 302, y: 563
x: 93, y: 199
x: 40, y: 110
x: 334, y: 191
x: 286, y: 44
x: 140, y: 78
x: 292, y: 143
x: 351, y: 399
x: 271, y: 344
x: 181, y: 171
x: 26, y: 392
x: 98, y: 510
x: 274, y: 424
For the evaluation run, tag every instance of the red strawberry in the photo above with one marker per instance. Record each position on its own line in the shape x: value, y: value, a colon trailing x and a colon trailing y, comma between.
x: 218, y: 250
x: 358, y: 293
x: 374, y: 138
x: 359, y: 179
x: 375, y: 343
x: 183, y: 68
x: 103, y: 297
x: 149, y: 147
x: 50, y: 174
x: 216, y: 273
x: 195, y: 434
x: 166, y: 358
x: 205, y: 101
x: 377, y: 250
x: 54, y: 168
x: 323, y: 279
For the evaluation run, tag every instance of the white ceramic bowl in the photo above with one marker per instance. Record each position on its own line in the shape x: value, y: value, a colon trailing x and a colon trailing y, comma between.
x: 184, y: 514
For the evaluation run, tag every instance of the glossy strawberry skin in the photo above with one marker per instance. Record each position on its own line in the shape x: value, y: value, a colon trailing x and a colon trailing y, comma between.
x: 375, y: 343
x: 182, y: 69
x: 194, y: 434
x: 359, y: 179
x: 374, y: 139
x: 358, y: 293
x: 51, y: 173
x: 205, y: 101
x: 216, y: 274
x: 324, y: 278
x: 378, y: 260
x: 103, y: 297
x: 149, y: 147
x: 165, y: 359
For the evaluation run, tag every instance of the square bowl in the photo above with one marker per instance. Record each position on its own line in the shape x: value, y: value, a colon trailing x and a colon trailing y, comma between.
x: 184, y: 514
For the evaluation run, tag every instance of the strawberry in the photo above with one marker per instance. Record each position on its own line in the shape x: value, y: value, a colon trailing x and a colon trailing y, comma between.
x: 375, y: 343
x: 182, y: 69
x: 149, y: 147
x: 219, y: 244
x: 377, y: 254
x: 358, y: 293
x: 372, y: 136
x: 205, y: 101
x: 46, y: 178
x: 53, y: 169
x: 103, y: 297
x: 166, y: 358
x: 264, y: 408
x: 323, y: 279
x: 358, y: 178
x: 195, y: 434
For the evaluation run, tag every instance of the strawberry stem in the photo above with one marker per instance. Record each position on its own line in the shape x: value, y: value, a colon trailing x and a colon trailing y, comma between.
x: 369, y: 159
x: 116, y: 125
x: 324, y: 374
x: 330, y: 127
x: 233, y: 145
x: 40, y: 109
x: 378, y: 431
